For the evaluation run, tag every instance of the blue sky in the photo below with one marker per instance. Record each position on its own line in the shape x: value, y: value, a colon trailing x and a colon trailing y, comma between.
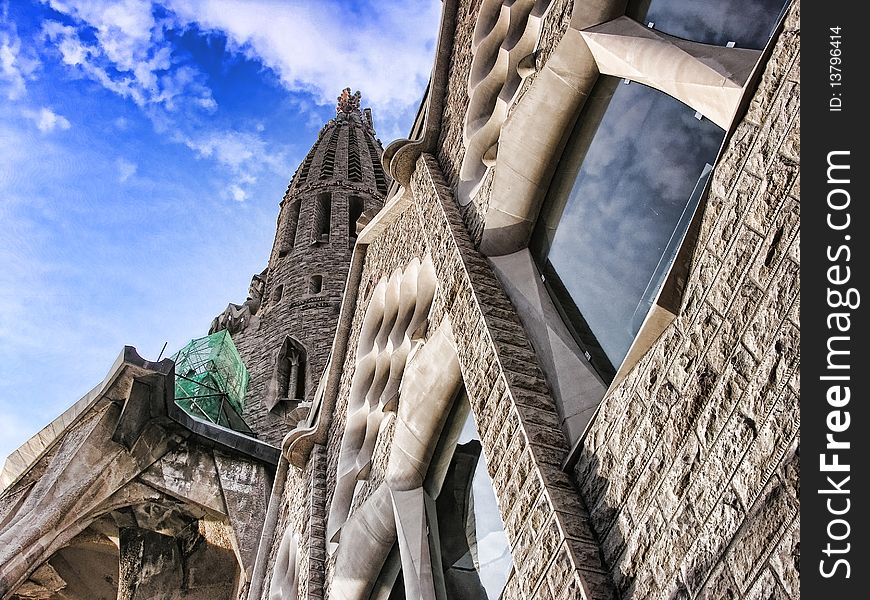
x: 144, y: 147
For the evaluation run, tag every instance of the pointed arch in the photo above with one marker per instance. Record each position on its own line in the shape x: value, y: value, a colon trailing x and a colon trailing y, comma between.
x: 289, y: 376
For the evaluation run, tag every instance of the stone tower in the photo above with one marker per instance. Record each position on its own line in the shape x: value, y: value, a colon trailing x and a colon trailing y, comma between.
x: 284, y: 330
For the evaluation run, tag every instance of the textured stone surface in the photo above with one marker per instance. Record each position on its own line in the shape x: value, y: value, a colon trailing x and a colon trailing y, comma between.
x: 345, y: 164
x: 687, y: 481
x: 451, y: 148
x: 688, y: 468
x: 545, y: 519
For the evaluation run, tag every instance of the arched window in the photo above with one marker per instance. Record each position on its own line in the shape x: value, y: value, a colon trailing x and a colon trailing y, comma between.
x: 619, y: 207
x: 288, y: 378
x: 355, y: 208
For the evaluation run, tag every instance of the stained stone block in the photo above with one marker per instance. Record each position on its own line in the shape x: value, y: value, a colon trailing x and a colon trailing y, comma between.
x: 150, y: 565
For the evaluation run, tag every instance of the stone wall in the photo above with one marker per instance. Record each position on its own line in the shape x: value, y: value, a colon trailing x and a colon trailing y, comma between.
x: 686, y: 485
x: 308, y: 317
x: 690, y: 469
x: 302, y: 513
x: 555, y: 553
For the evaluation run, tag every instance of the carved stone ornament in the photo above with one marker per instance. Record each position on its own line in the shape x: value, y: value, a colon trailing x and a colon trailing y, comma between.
x: 237, y: 317
x: 347, y: 102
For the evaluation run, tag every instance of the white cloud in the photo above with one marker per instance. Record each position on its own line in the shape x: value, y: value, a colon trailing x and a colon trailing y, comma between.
x: 15, y: 65
x: 244, y: 154
x: 230, y: 148
x: 126, y: 169
x: 130, y: 55
x: 47, y: 120
x: 314, y: 48
x: 384, y: 49
x: 237, y: 193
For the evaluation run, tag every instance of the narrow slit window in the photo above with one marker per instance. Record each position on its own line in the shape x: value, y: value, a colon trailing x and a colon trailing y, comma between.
x: 327, y: 169
x: 354, y: 168
x: 305, y: 168
x: 288, y: 232
x: 322, y: 217
x: 315, y: 284
x: 355, y: 208
x: 380, y: 177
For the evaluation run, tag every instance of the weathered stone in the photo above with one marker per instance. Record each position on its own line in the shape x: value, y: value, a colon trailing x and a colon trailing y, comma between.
x: 763, y: 527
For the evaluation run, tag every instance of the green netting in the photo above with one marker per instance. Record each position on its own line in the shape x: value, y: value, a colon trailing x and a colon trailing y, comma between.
x: 211, y: 380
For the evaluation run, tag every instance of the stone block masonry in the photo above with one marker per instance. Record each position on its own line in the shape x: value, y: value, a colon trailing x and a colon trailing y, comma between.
x: 339, y: 180
x: 690, y: 469
x: 555, y: 552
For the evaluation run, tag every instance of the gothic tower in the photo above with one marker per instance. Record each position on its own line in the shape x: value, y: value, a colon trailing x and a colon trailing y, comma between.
x: 284, y: 330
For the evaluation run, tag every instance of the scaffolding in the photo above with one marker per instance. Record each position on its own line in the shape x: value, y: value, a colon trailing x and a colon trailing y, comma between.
x: 211, y: 381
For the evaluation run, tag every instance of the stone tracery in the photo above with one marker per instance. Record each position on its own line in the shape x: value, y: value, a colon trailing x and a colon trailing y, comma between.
x: 285, y: 574
x: 391, y: 332
x: 504, y: 43
x: 398, y: 511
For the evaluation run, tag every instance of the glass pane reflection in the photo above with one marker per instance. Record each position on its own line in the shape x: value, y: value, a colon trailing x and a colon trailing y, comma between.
x: 632, y: 178
x: 475, y: 553
x: 748, y: 23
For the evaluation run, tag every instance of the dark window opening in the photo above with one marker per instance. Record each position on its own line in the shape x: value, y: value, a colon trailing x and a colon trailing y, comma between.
x: 398, y: 591
x: 476, y: 560
x: 277, y: 293
x: 290, y: 371
x: 355, y: 208
x: 328, y: 167
x: 354, y: 169
x: 315, y: 284
x: 380, y: 178
x: 288, y: 231
x: 302, y: 174
x: 322, y: 217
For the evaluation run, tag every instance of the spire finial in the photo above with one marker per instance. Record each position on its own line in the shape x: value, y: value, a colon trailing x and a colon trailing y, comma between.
x: 347, y: 102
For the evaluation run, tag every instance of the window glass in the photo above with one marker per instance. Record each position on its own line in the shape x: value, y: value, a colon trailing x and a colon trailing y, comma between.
x: 748, y: 23
x: 621, y: 196
x: 475, y: 553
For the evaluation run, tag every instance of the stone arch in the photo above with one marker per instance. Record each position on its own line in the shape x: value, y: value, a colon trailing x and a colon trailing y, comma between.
x: 289, y: 375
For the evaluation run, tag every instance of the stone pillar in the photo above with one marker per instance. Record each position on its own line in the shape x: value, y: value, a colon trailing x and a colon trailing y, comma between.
x: 150, y: 565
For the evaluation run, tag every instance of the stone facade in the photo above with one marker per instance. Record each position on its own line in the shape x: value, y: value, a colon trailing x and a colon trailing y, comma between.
x: 684, y: 482
x: 690, y: 469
